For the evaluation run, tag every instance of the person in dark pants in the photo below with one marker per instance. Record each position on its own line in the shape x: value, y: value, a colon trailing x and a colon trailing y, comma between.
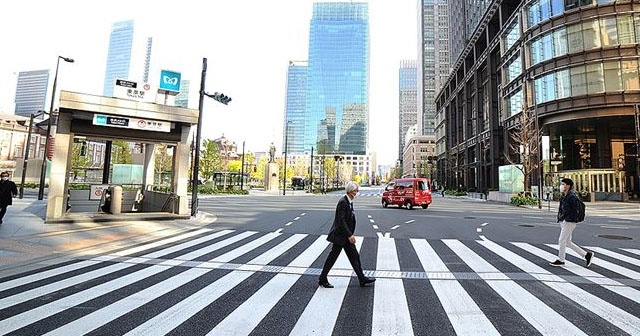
x: 341, y: 235
x: 8, y: 191
x: 568, y: 218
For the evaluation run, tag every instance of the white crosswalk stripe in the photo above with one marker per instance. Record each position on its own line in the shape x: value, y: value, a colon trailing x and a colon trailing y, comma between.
x: 276, y: 265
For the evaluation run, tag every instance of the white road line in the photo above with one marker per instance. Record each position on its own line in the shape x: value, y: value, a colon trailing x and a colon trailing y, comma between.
x: 303, y: 214
x: 606, y: 264
x: 410, y: 221
x: 634, y: 251
x: 395, y: 227
x: 542, y: 317
x: 600, y: 307
x: 327, y: 301
x: 295, y: 219
x: 245, y: 248
x: 464, y: 314
x: 616, y: 255
x: 484, y: 224
x: 375, y: 227
x: 479, y: 230
x: 371, y: 221
x: 287, y: 224
x: 278, y: 250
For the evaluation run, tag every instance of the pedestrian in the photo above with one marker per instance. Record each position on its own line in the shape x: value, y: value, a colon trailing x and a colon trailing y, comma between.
x: 8, y: 191
x: 341, y: 235
x: 568, y: 218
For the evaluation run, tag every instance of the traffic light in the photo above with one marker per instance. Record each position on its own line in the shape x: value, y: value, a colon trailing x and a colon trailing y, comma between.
x: 620, y: 162
x: 221, y: 98
x: 83, y: 149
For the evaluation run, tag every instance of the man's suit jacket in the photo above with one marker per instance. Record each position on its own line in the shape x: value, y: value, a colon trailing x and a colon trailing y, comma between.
x: 344, y: 223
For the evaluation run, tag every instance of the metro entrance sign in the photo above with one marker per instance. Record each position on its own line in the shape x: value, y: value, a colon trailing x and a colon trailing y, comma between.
x: 132, y: 123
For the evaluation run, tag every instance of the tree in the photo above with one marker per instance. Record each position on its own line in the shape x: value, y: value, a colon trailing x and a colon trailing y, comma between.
x: 300, y: 167
x: 163, y: 162
x: 121, y: 152
x: 524, y: 146
x: 210, y: 160
x: 79, y: 161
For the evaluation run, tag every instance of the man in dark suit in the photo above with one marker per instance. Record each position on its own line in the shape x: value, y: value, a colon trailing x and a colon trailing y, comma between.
x: 341, y: 235
x: 8, y: 191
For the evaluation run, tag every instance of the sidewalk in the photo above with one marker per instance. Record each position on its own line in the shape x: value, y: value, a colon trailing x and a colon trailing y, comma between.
x: 26, y: 239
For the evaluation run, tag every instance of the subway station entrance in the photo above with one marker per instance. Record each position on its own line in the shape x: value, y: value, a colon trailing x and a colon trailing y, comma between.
x: 107, y: 119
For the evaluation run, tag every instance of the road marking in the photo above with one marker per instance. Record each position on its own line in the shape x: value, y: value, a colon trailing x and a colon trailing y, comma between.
x: 278, y: 230
x: 289, y: 223
x: 302, y: 214
x: 479, y: 230
x: 372, y: 221
x: 484, y: 224
x: 384, y: 235
x: 395, y: 227
x: 483, y: 237
x: 614, y: 227
x: 369, y: 216
x: 375, y: 227
x: 410, y: 221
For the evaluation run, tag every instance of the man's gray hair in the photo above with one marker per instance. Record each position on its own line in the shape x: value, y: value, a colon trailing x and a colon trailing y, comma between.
x: 351, y: 186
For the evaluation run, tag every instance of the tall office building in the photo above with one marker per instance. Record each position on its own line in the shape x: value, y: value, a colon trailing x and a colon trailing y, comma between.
x: 296, y: 100
x: 408, y: 101
x: 31, y: 92
x: 147, y: 60
x: 337, y: 98
x: 182, y: 98
x: 119, y: 55
x: 433, y: 58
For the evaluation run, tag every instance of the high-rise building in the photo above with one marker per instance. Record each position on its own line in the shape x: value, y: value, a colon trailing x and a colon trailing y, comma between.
x: 337, y: 98
x: 119, y: 55
x: 147, y: 60
x: 182, y: 98
x: 433, y: 59
x: 31, y: 92
x: 408, y: 101
x: 296, y: 100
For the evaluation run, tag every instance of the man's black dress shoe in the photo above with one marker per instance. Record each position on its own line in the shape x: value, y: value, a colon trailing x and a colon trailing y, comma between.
x: 325, y: 284
x: 366, y: 281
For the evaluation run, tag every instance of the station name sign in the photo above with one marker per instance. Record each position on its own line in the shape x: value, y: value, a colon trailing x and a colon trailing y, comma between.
x: 131, y: 123
x: 128, y: 89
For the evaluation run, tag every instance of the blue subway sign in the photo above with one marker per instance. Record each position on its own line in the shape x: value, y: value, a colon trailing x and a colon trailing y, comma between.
x: 169, y: 81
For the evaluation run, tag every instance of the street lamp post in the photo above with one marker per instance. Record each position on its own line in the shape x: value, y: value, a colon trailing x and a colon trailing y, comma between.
x: 242, y: 169
x: 43, y: 171
x: 286, y: 149
x: 26, y: 151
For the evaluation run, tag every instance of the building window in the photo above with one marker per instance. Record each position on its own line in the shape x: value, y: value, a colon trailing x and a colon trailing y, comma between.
x: 513, y: 34
x: 591, y: 34
x: 514, y: 69
x: 630, y: 75
x: 625, y: 29
x: 612, y: 76
x: 574, y: 38
x: 595, y: 78
x: 563, y: 83
x: 609, y: 31
x: 578, y: 81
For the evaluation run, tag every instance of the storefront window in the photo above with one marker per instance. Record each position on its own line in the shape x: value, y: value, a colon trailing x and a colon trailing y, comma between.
x: 609, y: 31
x: 591, y: 33
x: 630, y: 75
x: 612, y: 78
x: 625, y: 29
x: 578, y: 81
x: 595, y: 78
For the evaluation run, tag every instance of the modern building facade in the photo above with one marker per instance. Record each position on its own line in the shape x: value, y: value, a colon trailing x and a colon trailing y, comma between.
x: 419, y: 156
x: 31, y: 92
x: 408, y: 101
x: 337, y: 98
x: 295, y: 109
x: 119, y: 55
x: 433, y: 58
x: 182, y: 98
x: 570, y: 65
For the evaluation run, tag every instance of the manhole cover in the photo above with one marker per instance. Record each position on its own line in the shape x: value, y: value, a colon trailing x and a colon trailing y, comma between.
x: 526, y: 225
x: 608, y: 236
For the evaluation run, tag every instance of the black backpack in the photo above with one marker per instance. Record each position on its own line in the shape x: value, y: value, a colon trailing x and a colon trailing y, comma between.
x: 581, y: 209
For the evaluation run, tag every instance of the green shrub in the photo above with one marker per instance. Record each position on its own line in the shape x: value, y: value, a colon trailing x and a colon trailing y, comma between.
x: 524, y: 200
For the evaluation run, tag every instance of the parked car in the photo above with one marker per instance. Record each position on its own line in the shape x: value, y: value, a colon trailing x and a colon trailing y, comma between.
x: 408, y: 192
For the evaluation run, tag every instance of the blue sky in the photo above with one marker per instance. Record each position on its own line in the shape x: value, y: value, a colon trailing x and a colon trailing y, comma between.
x: 247, y: 43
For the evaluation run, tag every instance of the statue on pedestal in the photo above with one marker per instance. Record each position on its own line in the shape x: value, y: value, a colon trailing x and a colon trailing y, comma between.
x: 272, y: 153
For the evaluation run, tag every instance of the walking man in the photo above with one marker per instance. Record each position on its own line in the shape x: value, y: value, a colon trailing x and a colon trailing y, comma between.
x: 8, y: 191
x: 568, y: 218
x: 341, y: 235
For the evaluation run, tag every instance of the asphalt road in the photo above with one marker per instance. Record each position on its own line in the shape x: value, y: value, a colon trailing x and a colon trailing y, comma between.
x: 458, y: 267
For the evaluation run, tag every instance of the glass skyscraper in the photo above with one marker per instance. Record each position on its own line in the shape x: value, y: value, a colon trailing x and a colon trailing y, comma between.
x: 408, y: 101
x: 295, y: 108
x: 337, y: 98
x: 119, y: 55
x: 31, y: 92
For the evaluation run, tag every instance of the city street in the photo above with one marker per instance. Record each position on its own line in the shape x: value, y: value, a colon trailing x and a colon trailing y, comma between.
x: 462, y: 266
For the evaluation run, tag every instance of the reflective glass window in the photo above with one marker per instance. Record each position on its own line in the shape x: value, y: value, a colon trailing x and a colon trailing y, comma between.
x: 608, y: 30
x: 536, y: 51
x: 560, y: 42
x: 545, y: 9
x: 574, y: 37
x: 514, y: 69
x: 534, y: 14
x: 591, y: 33
x: 538, y: 91
x: 625, y: 29
x: 563, y: 84
x: 512, y: 36
x: 571, y: 4
x: 515, y: 103
x: 557, y: 7
x: 547, y: 47
x: 595, y: 78
x: 578, y: 81
x: 636, y: 21
x: 612, y: 78
x: 548, y: 87
x: 629, y: 71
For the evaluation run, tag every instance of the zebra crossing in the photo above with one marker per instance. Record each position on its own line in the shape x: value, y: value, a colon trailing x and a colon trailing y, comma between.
x: 229, y: 282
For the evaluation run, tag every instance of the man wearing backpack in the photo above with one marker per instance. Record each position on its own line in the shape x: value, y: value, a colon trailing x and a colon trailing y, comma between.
x: 569, y: 213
